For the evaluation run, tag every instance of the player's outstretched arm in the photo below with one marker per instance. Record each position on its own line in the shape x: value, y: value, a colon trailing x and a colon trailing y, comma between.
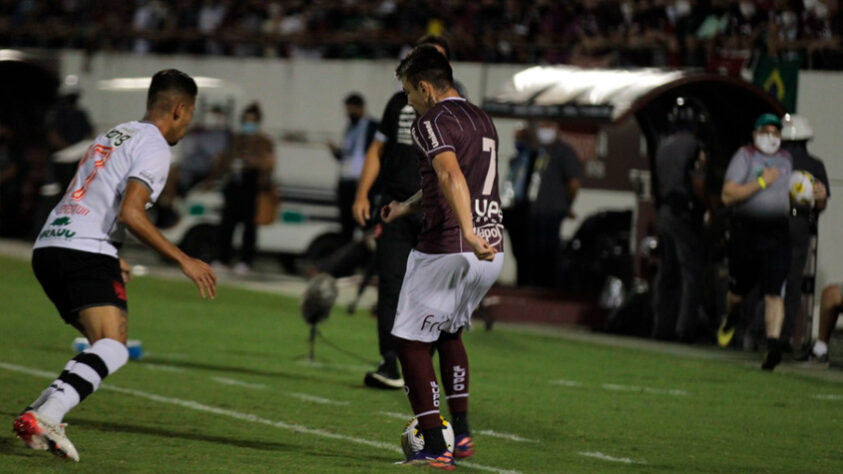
x: 453, y: 186
x: 133, y: 216
x: 396, y: 210
x: 371, y: 170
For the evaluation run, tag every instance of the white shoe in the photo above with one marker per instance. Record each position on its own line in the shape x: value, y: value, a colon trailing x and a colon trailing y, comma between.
x: 242, y: 269
x: 36, y: 430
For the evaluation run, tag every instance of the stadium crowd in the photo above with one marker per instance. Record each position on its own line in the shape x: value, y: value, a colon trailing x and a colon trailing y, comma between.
x: 700, y: 33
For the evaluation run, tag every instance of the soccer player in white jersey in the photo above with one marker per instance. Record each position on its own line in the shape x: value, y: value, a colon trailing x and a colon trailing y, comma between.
x: 75, y: 255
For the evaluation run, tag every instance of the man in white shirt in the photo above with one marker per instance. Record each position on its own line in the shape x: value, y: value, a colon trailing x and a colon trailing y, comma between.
x: 75, y: 254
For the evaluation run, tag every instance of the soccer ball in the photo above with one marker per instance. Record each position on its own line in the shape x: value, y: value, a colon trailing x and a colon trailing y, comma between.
x: 412, y: 440
x: 801, y: 188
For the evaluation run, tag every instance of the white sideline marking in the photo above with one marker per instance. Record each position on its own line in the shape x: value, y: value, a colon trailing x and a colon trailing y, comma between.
x: 511, y: 437
x: 392, y: 414
x: 328, y: 365
x: 315, y: 399
x: 606, y: 457
x: 828, y: 397
x: 163, y: 368
x: 635, y: 388
x: 623, y: 388
x: 193, y: 405
x: 237, y: 383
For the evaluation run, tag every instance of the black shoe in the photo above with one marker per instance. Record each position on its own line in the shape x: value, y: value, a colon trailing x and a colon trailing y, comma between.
x: 384, y: 378
x: 772, y: 358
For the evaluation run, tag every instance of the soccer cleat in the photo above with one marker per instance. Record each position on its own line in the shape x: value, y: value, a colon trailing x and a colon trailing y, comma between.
x: 33, y: 428
x: 33, y: 442
x: 384, y: 377
x: 444, y: 461
x: 463, y: 447
x: 725, y: 333
x: 820, y: 361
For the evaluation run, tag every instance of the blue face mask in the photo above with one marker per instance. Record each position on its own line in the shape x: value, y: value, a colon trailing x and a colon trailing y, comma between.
x: 250, y: 128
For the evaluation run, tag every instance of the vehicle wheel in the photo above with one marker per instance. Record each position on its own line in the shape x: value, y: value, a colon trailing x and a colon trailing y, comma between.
x: 202, y: 242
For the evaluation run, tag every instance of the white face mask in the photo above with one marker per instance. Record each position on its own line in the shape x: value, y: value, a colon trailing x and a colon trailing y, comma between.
x: 683, y: 8
x: 747, y: 9
x: 767, y: 143
x: 546, y: 135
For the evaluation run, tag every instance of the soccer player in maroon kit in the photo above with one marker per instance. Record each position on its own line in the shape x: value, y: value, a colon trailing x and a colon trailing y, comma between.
x: 460, y: 250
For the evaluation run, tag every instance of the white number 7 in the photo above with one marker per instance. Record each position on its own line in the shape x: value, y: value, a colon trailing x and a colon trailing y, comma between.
x: 489, y: 145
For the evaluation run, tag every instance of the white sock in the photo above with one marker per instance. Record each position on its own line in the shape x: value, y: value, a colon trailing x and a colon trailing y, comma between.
x: 52, y: 388
x: 820, y: 348
x: 90, y: 367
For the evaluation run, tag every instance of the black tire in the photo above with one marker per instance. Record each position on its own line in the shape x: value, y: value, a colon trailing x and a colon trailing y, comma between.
x: 202, y: 242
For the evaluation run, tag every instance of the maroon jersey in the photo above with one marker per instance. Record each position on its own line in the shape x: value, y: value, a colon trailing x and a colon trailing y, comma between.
x: 457, y: 125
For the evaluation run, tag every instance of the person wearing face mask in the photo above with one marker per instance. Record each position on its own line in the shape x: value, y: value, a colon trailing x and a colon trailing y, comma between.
x: 247, y: 165
x: 756, y: 188
x: 680, y: 172
x: 553, y: 188
x: 796, y: 133
x: 516, y: 206
x: 352, y: 154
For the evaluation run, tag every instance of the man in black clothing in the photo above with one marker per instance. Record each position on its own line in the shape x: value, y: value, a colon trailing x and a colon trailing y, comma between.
x: 392, y: 159
x: 516, y: 206
x: 803, y: 221
x: 680, y: 172
x: 553, y: 188
x: 351, y: 155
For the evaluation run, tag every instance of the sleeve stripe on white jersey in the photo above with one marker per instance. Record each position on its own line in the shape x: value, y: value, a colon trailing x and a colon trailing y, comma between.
x: 142, y: 181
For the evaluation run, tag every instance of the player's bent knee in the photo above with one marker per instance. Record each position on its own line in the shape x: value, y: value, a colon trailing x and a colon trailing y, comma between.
x: 104, y: 322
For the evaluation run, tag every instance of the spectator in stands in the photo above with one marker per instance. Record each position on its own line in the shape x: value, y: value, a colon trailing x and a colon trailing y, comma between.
x: 351, y: 155
x: 247, y: 165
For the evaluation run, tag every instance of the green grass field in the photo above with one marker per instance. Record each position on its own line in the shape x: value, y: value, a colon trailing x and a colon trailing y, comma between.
x: 226, y: 387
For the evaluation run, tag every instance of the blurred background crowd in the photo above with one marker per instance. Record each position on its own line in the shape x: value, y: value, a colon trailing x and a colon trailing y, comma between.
x: 717, y: 34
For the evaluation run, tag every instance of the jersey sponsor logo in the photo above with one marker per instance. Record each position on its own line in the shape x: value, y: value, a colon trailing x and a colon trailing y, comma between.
x: 486, y: 210
x: 428, y: 324
x: 491, y: 233
x: 57, y: 233
x: 434, y: 142
x: 73, y: 209
x: 61, y: 221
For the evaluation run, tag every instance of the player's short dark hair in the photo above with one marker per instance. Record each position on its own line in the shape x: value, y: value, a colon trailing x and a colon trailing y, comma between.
x: 436, y: 40
x: 170, y: 80
x: 255, y: 109
x: 426, y: 63
x: 355, y: 99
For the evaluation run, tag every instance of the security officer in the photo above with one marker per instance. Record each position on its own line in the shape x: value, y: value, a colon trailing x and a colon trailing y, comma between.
x: 680, y: 170
x: 756, y: 187
x: 803, y: 221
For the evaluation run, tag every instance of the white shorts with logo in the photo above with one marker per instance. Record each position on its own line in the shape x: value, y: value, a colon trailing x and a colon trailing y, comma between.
x: 440, y: 291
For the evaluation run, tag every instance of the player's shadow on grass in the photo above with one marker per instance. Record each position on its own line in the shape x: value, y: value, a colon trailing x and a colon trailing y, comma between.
x: 183, y: 364
x: 7, y: 445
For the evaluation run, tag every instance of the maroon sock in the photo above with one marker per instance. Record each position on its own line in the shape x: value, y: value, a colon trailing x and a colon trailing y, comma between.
x: 420, y: 381
x: 453, y: 365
